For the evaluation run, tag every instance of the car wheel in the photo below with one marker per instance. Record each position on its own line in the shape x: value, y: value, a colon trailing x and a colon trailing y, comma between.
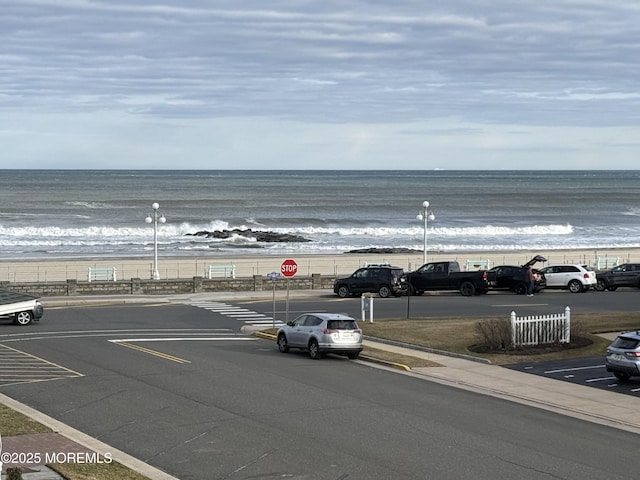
x: 283, y: 345
x: 353, y: 355
x: 467, y: 289
x: 384, y: 291
x: 600, y: 286
x: 622, y: 376
x: 23, y: 318
x: 520, y: 288
x: 343, y: 291
x: 575, y: 286
x: 314, y: 350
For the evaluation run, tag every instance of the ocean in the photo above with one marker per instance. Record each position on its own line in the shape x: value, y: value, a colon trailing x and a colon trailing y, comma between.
x: 88, y: 213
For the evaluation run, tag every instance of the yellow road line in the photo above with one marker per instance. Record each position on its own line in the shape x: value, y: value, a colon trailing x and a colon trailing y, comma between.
x: 152, y: 352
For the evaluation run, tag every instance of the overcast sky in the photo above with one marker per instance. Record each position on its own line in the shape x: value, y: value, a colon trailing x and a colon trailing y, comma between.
x: 327, y: 84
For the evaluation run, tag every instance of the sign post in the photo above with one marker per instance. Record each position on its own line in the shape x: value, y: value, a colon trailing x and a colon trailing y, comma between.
x: 274, y: 276
x: 288, y: 269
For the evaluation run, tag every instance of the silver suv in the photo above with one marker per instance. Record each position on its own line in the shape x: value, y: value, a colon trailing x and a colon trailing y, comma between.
x: 320, y: 333
x: 623, y: 356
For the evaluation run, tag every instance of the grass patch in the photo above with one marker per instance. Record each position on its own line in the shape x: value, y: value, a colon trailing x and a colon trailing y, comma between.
x: 96, y: 471
x: 458, y: 334
x: 15, y: 423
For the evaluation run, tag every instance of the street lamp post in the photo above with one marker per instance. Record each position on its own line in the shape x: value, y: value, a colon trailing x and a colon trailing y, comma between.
x: 154, y: 218
x: 425, y: 214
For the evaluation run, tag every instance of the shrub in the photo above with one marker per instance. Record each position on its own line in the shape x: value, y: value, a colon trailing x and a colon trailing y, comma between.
x: 494, y: 333
x: 14, y: 474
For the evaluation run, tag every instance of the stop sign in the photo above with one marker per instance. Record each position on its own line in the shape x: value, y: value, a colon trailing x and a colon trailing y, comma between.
x: 289, y: 268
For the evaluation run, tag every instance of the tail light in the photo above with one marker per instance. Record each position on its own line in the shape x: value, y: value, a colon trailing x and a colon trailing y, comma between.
x: 484, y: 276
x: 586, y: 275
x: 633, y: 354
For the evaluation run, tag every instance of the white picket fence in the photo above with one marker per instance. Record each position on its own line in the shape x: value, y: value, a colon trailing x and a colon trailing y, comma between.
x: 541, y: 329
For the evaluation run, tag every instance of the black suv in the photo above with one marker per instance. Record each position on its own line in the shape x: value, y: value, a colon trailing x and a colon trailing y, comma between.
x: 384, y: 280
x: 514, y: 277
x: 625, y: 275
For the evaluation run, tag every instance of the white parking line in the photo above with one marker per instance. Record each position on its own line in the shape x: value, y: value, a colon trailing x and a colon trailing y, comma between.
x: 574, y: 369
x: 603, y: 379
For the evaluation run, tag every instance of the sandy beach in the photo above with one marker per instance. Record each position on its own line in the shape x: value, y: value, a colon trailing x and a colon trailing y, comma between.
x: 62, y: 269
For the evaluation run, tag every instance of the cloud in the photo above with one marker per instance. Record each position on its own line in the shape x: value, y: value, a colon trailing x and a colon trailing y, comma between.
x: 376, y: 70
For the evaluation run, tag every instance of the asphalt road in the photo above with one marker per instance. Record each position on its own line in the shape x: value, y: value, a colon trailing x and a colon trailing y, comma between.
x: 181, y: 388
x: 453, y: 304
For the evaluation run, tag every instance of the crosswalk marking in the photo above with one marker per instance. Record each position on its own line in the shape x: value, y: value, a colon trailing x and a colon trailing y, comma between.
x: 248, y: 316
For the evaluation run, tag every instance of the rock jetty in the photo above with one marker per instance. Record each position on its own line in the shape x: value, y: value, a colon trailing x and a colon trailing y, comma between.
x: 384, y: 250
x: 266, y: 237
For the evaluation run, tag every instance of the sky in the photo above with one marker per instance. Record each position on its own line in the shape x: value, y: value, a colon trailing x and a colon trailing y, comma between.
x: 328, y: 84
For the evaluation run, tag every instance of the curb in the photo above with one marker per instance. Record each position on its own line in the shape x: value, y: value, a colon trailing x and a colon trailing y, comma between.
x: 367, y: 358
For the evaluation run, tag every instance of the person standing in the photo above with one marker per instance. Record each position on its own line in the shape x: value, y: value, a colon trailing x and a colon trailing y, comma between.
x: 531, y: 281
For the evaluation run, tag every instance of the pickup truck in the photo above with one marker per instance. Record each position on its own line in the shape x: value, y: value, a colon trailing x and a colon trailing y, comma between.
x: 20, y: 307
x: 447, y: 276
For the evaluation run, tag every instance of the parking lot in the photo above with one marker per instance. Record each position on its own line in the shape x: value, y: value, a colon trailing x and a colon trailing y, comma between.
x: 588, y: 371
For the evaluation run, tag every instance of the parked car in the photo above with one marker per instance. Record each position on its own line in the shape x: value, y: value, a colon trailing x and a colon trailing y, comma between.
x: 515, y: 277
x: 20, y: 307
x: 623, y: 356
x: 320, y: 333
x: 447, y: 276
x: 385, y: 280
x: 625, y: 275
x: 576, y: 278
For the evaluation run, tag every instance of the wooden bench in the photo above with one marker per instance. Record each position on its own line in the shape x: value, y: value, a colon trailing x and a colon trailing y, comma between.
x: 102, y: 274
x: 222, y: 271
x: 604, y: 263
x: 478, y: 265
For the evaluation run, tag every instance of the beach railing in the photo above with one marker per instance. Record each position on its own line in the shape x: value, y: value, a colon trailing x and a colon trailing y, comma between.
x: 478, y: 265
x: 222, y: 271
x: 541, y: 329
x: 604, y: 263
x: 107, y: 274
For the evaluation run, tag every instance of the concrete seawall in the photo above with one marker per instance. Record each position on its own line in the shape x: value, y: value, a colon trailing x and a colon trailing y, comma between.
x: 137, y: 286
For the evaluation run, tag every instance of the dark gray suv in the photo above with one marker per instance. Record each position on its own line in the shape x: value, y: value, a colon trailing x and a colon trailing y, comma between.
x: 384, y: 280
x: 623, y: 356
x: 625, y: 275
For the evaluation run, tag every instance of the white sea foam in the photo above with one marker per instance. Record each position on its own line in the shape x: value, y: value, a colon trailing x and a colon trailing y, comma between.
x: 176, y: 231
x: 488, y: 230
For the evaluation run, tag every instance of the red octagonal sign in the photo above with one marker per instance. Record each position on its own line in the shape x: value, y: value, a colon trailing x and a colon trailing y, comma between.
x: 289, y: 268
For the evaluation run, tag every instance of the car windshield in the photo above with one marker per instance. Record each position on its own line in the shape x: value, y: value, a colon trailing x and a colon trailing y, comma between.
x: 341, y: 325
